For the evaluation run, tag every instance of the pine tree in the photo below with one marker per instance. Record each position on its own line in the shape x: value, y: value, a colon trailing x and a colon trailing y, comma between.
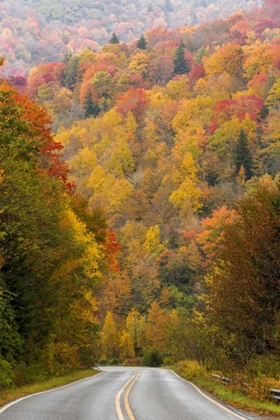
x: 141, y: 43
x: 91, y: 108
x: 70, y: 73
x: 114, y: 39
x: 242, y: 156
x: 181, y: 65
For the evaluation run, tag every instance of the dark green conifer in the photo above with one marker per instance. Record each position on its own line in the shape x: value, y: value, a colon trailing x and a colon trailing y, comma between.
x: 242, y: 155
x: 70, y: 73
x: 181, y: 65
x: 141, y: 43
x: 114, y: 39
x: 91, y: 108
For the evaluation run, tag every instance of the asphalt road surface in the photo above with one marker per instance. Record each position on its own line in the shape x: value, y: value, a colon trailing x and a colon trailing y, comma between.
x: 122, y: 393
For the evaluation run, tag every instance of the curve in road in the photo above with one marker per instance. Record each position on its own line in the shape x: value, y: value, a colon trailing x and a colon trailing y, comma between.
x: 123, y: 393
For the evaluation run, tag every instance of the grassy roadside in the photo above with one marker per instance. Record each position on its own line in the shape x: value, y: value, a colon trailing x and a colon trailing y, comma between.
x: 234, y: 397
x: 9, y: 395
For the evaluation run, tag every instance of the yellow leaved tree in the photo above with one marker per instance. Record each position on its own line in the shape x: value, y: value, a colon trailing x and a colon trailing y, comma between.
x: 153, y: 243
x: 188, y: 195
x: 76, y: 279
x: 109, y: 338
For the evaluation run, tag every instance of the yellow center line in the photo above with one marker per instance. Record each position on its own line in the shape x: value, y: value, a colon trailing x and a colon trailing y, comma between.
x: 126, y: 402
x: 118, y: 398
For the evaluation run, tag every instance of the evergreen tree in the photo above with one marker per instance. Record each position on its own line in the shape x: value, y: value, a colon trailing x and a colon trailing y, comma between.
x: 91, y: 108
x: 114, y: 39
x: 141, y: 43
x: 242, y: 156
x: 70, y: 73
x: 181, y: 65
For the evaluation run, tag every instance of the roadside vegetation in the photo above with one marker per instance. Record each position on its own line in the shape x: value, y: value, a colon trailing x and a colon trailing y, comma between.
x: 253, y: 396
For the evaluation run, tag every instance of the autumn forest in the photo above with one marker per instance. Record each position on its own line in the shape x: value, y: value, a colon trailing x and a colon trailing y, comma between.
x: 140, y: 197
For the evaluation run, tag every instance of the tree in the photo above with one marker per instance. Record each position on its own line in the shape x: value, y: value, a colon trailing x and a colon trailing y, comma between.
x: 135, y: 323
x: 71, y: 72
x: 273, y: 96
x: 114, y: 39
x: 270, y: 148
x: 109, y: 337
x: 141, y: 43
x: 94, y: 219
x: 153, y: 244
x: 227, y: 58
x: 49, y: 259
x: 211, y: 236
x: 102, y: 84
x: 181, y: 65
x: 32, y: 183
x: 91, y: 108
x: 242, y: 156
x: 161, y: 70
x: 121, y: 161
x: 188, y: 195
x: 139, y: 63
x: 126, y: 345
x: 242, y: 291
x: 134, y: 101
x: 155, y: 326
x: 11, y: 342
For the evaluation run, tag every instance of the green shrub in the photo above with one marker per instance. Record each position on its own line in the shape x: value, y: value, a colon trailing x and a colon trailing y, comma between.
x: 6, y: 374
x: 114, y: 361
x: 169, y: 360
x: 152, y: 358
x: 25, y: 375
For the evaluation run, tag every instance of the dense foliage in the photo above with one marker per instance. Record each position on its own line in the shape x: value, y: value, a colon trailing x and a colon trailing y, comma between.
x: 32, y: 32
x: 173, y: 142
x: 51, y: 259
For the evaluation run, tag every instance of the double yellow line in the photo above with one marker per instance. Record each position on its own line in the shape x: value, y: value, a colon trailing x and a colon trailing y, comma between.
x: 126, y: 388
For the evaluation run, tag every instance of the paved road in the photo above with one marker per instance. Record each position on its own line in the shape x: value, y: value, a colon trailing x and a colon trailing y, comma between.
x: 120, y: 393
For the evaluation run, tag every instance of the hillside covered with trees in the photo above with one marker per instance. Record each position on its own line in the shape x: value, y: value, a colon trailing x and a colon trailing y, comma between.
x: 164, y: 235
x: 32, y: 32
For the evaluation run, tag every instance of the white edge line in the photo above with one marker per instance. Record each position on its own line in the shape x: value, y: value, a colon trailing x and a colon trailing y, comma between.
x: 44, y: 392
x: 211, y: 399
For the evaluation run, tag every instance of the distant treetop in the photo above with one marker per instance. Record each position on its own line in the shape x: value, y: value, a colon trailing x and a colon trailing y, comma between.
x: 141, y: 43
x: 114, y: 39
x: 181, y: 65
